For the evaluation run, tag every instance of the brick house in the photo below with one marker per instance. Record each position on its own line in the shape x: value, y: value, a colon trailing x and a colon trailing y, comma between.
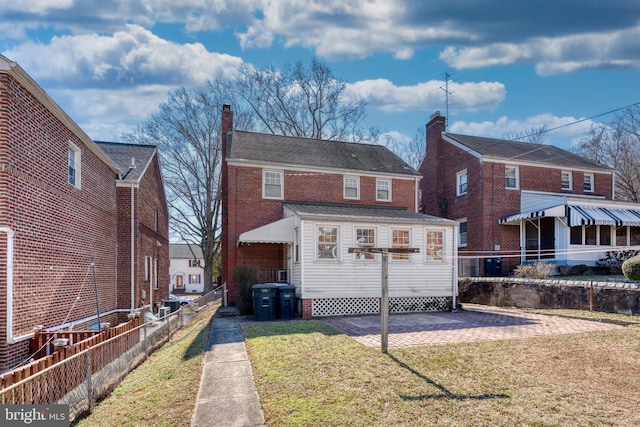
x: 518, y: 201
x: 60, y: 199
x: 293, y: 207
x: 185, y: 268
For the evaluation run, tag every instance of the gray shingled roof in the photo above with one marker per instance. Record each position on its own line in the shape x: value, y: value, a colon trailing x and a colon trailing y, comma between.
x: 288, y: 150
x: 364, y: 212
x: 182, y: 251
x: 122, y: 154
x: 523, y: 151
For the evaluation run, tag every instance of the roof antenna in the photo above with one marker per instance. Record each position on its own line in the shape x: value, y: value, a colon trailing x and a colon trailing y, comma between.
x: 132, y: 167
x: 447, y: 93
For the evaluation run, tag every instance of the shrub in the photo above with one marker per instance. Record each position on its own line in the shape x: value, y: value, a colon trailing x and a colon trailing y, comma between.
x: 538, y: 270
x: 631, y: 268
x: 244, y: 277
x: 614, y: 260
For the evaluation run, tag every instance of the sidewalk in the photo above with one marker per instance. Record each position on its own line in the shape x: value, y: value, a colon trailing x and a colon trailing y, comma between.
x: 227, y: 394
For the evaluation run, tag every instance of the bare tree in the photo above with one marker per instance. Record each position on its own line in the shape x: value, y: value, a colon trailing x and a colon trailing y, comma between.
x: 411, y: 151
x: 617, y: 145
x: 187, y: 132
x: 536, y: 135
x: 303, y: 101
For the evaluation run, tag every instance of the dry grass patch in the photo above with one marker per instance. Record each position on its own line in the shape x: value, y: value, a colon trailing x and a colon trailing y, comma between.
x: 308, y: 374
x: 163, y: 390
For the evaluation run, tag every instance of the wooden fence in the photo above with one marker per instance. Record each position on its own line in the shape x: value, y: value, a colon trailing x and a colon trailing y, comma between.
x: 45, y: 348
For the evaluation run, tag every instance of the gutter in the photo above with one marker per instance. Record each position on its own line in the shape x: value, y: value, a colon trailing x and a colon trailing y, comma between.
x: 10, y: 338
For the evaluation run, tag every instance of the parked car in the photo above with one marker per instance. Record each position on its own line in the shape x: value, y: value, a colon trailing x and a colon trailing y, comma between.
x: 183, y: 301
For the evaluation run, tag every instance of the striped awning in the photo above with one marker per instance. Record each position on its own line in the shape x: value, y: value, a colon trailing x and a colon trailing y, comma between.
x: 592, y: 215
x: 554, y: 211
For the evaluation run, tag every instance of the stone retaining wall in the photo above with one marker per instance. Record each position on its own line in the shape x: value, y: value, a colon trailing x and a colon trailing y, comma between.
x: 610, y: 297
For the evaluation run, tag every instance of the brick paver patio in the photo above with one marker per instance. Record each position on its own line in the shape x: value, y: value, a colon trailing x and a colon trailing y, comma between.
x: 474, y: 323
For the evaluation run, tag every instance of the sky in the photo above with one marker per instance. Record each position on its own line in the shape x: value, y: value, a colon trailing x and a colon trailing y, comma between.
x: 508, y: 65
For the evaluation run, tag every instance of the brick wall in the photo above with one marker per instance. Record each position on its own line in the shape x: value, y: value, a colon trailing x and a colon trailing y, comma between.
x: 58, y: 228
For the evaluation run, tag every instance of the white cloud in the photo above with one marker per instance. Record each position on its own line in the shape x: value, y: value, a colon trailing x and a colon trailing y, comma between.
x: 554, y: 55
x: 381, y: 94
x: 563, y: 131
x: 126, y: 58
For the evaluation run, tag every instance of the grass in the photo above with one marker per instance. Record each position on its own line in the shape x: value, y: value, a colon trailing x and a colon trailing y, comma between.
x: 307, y: 374
x: 162, y: 391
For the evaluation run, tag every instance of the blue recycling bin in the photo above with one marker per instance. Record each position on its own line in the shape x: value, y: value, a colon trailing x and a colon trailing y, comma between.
x: 264, y: 301
x: 286, y: 302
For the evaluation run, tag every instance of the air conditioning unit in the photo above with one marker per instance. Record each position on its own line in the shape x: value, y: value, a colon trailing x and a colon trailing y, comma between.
x: 164, y: 311
x: 282, y: 276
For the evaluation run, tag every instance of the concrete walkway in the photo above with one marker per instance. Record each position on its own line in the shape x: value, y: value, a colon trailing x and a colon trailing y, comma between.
x: 227, y: 394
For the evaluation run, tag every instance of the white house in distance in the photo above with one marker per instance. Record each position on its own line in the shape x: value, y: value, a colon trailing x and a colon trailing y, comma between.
x: 186, y: 268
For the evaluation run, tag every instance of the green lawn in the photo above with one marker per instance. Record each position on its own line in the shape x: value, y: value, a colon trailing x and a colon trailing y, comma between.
x: 307, y: 374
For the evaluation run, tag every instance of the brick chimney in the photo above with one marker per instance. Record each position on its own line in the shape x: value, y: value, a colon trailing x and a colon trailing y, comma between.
x: 225, y: 127
x: 433, y: 166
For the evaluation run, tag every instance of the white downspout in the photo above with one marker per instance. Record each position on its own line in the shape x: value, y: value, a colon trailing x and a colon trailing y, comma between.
x: 133, y: 257
x: 456, y: 260
x: 10, y: 337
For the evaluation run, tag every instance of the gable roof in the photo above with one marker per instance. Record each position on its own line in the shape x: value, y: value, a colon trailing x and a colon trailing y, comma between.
x: 182, y: 251
x: 122, y: 153
x: 20, y: 75
x: 516, y: 151
x: 287, y: 150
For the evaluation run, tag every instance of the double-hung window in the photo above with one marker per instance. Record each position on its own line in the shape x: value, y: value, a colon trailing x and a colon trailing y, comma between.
x: 365, y: 238
x: 462, y: 233
x: 272, y: 187
x: 351, y: 187
x: 383, y: 190
x: 435, y: 245
x: 588, y: 183
x: 195, y: 278
x: 401, y: 238
x: 194, y: 263
x: 461, y: 183
x: 511, y: 177
x: 566, y: 181
x: 73, y: 161
x: 327, y: 242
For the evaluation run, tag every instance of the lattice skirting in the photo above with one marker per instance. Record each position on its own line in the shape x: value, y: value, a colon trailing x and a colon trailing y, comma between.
x: 349, y: 306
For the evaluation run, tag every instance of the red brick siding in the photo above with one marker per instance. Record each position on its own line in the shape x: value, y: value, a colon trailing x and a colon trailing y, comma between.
x: 58, y: 228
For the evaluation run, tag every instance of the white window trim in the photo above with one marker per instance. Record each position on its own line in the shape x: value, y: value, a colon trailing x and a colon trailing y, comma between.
x: 344, y: 187
x: 444, y: 245
x: 390, y: 183
x: 517, y: 186
x: 317, y: 243
x: 593, y: 185
x: 460, y: 244
x: 77, y: 163
x: 570, y: 174
x: 458, y: 176
x: 409, y: 255
x: 264, y: 184
x: 357, y: 244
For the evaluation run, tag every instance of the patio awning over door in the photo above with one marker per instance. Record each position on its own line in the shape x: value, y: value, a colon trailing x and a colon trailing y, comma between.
x: 557, y: 211
x: 280, y: 231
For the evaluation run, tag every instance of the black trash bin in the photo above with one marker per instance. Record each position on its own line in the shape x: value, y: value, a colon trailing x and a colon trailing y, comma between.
x: 286, y: 302
x: 493, y: 266
x: 173, y: 304
x: 264, y: 301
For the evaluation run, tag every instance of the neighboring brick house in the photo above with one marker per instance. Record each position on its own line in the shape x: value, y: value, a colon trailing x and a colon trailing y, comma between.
x: 186, y: 273
x: 294, y: 206
x: 145, y: 227
x: 521, y: 201
x: 59, y: 204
